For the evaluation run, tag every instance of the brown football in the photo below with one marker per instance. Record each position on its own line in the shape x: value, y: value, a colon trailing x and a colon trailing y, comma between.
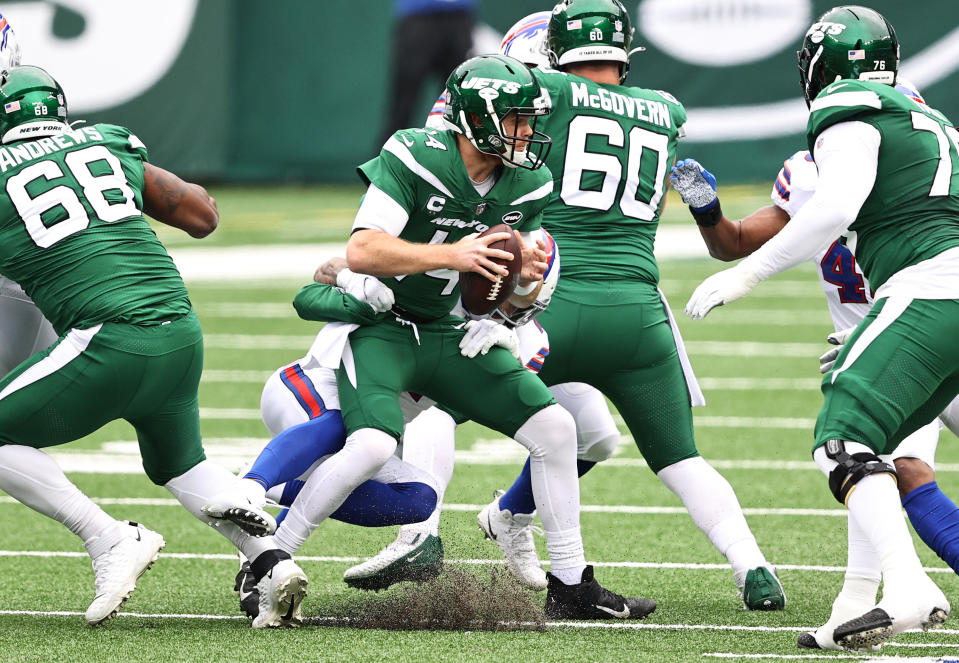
x: 480, y: 295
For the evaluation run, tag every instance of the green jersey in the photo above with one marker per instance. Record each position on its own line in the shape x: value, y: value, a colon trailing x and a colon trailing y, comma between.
x: 72, y: 233
x: 422, y: 171
x: 912, y: 213
x: 612, y: 149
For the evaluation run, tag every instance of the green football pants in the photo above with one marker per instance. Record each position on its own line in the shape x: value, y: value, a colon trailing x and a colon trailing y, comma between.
x: 147, y: 375
x: 895, y: 374
x: 389, y: 358
x: 616, y: 337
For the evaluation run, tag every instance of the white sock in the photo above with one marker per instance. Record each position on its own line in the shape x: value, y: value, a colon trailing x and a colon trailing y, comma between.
x: 860, y: 585
x: 877, y: 509
x: 713, y: 506
x: 330, y: 484
x: 196, y: 486
x: 429, y: 444
x: 550, y: 437
x: 863, y: 572
x: 33, y: 478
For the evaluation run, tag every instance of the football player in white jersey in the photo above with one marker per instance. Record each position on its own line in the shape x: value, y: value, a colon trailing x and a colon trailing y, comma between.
x: 23, y: 329
x: 849, y: 298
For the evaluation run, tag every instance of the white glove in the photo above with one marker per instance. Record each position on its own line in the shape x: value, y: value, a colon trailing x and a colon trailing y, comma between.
x: 836, y: 338
x: 720, y: 288
x: 481, y: 335
x: 367, y: 289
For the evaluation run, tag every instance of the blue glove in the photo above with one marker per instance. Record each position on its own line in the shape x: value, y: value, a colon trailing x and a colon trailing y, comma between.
x: 695, y: 184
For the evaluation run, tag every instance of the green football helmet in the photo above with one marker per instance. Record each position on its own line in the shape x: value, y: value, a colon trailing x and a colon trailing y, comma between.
x: 482, y: 92
x: 590, y: 30
x: 33, y: 105
x: 847, y: 42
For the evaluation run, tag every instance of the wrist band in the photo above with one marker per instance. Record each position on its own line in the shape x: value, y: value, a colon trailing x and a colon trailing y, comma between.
x: 710, y: 217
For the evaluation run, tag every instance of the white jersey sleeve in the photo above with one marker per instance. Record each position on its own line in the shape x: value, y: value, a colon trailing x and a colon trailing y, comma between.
x: 796, y: 183
x: 533, y: 346
x: 848, y: 293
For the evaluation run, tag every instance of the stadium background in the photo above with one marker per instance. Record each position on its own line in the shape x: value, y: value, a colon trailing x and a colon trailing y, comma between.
x: 273, y: 104
x: 294, y: 90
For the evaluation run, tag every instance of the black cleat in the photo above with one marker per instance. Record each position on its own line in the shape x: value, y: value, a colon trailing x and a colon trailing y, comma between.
x: 807, y: 641
x: 590, y: 600
x: 246, y: 588
x: 868, y: 630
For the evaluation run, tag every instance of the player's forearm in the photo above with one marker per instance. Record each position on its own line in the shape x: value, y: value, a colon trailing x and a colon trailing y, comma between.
x: 178, y: 203
x: 377, y: 253
x: 723, y: 240
x: 731, y: 240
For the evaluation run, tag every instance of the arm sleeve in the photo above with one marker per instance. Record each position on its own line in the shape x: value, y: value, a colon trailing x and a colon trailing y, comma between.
x: 380, y: 212
x: 324, y: 303
x: 847, y: 155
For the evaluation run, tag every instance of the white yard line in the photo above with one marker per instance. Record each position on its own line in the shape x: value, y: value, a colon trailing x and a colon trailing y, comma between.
x: 256, y: 377
x: 701, y: 348
x: 714, y: 384
x: 564, y: 624
x: 474, y: 508
x: 325, y: 559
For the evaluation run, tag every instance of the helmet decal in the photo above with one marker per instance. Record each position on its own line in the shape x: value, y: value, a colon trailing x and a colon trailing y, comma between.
x: 490, y: 101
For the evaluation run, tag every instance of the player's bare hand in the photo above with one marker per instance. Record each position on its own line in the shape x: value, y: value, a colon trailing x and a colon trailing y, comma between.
x: 326, y: 273
x: 534, y: 259
x: 473, y: 254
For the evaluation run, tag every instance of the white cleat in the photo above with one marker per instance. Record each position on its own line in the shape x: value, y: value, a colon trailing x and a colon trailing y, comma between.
x: 116, y: 570
x: 921, y: 605
x: 843, y: 610
x: 242, y: 504
x: 282, y: 590
x: 514, y: 536
x: 412, y: 557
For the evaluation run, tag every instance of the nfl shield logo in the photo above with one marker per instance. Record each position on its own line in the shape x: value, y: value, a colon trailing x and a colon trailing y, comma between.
x: 480, y: 208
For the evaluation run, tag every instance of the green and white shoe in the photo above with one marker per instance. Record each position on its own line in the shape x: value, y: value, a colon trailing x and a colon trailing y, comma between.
x: 413, y: 557
x: 762, y: 590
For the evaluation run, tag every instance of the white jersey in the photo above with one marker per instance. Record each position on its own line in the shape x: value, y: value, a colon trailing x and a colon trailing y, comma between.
x: 848, y: 293
x: 23, y: 329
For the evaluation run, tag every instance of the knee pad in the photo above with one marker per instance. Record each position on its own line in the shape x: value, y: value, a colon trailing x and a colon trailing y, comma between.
x: 852, y: 469
x: 600, y: 449
x: 370, y: 447
x: 551, y: 430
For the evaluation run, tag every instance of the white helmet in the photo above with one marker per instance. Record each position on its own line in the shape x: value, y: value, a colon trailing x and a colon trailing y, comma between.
x: 908, y: 89
x: 9, y: 46
x: 526, y: 40
x: 521, y: 316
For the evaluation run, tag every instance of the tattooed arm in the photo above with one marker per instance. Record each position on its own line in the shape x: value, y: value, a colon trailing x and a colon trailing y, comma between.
x: 177, y: 203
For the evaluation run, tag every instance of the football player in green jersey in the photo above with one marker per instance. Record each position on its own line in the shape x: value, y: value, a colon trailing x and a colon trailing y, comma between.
x: 429, y: 193
x: 608, y: 323
x: 73, y: 235
x: 889, y: 182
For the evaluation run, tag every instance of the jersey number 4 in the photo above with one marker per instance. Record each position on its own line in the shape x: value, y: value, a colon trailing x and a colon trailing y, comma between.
x: 839, y: 268
x: 94, y: 189
x: 642, y: 190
